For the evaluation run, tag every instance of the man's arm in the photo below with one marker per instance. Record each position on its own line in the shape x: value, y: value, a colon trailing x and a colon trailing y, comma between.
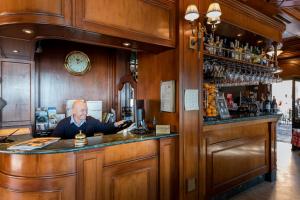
x: 106, y: 128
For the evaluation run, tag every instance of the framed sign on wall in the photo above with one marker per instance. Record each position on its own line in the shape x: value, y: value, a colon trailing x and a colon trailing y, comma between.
x: 167, y: 96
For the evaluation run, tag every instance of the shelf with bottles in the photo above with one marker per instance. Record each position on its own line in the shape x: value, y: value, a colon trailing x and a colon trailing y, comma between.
x: 236, y: 66
x: 236, y: 52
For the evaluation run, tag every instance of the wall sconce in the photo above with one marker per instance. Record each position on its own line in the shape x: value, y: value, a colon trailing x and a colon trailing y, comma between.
x: 213, y: 18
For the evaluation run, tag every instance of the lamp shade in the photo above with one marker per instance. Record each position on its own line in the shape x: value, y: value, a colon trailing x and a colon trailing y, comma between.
x: 191, y: 13
x: 215, y: 20
x: 214, y: 10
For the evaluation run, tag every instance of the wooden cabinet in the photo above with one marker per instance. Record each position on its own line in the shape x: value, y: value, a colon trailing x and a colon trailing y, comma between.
x: 135, y: 171
x: 56, y: 12
x: 132, y: 180
x: 150, y: 21
x: 17, y: 89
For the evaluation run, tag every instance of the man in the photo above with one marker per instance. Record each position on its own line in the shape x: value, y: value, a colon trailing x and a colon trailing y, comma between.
x: 70, y: 126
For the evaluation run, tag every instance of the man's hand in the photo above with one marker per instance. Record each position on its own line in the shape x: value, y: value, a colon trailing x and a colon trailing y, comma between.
x: 119, y: 123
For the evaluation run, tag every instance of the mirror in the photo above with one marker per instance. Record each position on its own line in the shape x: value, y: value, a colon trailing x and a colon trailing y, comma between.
x: 127, y: 97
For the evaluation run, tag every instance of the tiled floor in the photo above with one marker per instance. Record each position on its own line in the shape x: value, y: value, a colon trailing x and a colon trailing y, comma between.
x: 284, y: 132
x: 287, y: 186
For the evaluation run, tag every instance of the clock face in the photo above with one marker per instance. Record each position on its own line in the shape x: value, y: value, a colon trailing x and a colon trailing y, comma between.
x: 77, y: 63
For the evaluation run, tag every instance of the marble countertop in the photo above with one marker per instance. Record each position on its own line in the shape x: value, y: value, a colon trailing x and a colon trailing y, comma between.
x: 241, y: 119
x: 63, y: 146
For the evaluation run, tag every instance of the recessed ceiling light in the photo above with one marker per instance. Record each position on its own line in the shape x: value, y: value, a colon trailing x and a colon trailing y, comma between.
x: 27, y: 31
x: 239, y: 35
x: 259, y: 41
x: 126, y: 44
x: 15, y: 51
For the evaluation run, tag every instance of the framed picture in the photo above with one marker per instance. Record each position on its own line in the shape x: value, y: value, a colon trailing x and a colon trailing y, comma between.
x: 222, y: 107
x: 167, y: 96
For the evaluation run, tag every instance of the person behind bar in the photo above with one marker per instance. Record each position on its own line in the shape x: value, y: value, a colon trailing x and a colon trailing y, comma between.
x: 70, y: 126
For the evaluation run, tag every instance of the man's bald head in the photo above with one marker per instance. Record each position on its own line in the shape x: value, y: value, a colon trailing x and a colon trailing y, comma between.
x: 79, y: 110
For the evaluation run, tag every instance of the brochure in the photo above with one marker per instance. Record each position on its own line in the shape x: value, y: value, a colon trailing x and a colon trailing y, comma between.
x: 32, y: 144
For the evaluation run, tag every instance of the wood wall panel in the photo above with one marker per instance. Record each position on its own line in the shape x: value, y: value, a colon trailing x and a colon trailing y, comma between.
x: 168, y: 169
x: 247, y: 18
x: 56, y: 84
x: 36, y: 11
x: 154, y: 68
x: 151, y: 21
x: 190, y: 129
x: 17, y: 90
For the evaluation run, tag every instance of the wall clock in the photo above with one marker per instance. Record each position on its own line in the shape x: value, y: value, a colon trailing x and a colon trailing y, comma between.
x: 77, y: 63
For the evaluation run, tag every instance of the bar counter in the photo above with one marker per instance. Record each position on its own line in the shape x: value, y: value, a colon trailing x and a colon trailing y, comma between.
x: 238, y: 152
x: 64, y: 146
x: 108, y: 167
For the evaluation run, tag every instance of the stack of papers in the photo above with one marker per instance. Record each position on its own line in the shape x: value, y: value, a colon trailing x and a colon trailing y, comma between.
x: 32, y: 144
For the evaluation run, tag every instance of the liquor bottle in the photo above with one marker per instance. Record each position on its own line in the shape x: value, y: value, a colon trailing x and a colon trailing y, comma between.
x: 246, y: 54
x: 232, y: 50
x: 211, y: 44
x: 220, y: 48
x: 216, y: 49
x: 267, y: 104
x: 241, y: 49
x: 274, y: 105
x: 225, y: 46
x: 236, y: 50
x: 251, y: 54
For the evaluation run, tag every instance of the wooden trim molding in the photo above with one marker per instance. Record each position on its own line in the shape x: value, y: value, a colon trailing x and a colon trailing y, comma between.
x: 245, y: 17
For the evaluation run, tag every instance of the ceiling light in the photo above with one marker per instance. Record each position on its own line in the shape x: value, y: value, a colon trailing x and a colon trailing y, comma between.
x: 259, y: 41
x: 214, y: 10
x: 126, y: 44
x: 239, y: 35
x: 191, y: 13
x: 15, y: 51
x: 27, y: 31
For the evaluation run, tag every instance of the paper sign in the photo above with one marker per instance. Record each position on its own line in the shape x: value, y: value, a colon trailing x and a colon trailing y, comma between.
x: 191, y: 101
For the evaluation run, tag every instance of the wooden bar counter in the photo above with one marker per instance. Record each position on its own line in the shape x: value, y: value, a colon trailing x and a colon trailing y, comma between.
x: 110, y: 167
x: 238, y: 152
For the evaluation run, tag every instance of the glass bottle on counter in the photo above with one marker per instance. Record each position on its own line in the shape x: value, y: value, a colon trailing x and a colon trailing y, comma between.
x: 274, y: 105
x: 267, y: 105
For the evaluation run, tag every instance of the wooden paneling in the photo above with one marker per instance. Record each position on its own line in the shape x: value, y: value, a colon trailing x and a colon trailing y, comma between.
x: 248, y: 18
x: 154, y: 68
x: 57, y: 85
x: 38, y: 165
x: 35, y: 11
x: 168, y: 169
x: 120, y: 153
x: 133, y: 180
x: 190, y: 77
x: 238, y: 152
x: 89, y: 178
x: 17, y: 89
x: 148, y: 21
x: 49, y: 188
